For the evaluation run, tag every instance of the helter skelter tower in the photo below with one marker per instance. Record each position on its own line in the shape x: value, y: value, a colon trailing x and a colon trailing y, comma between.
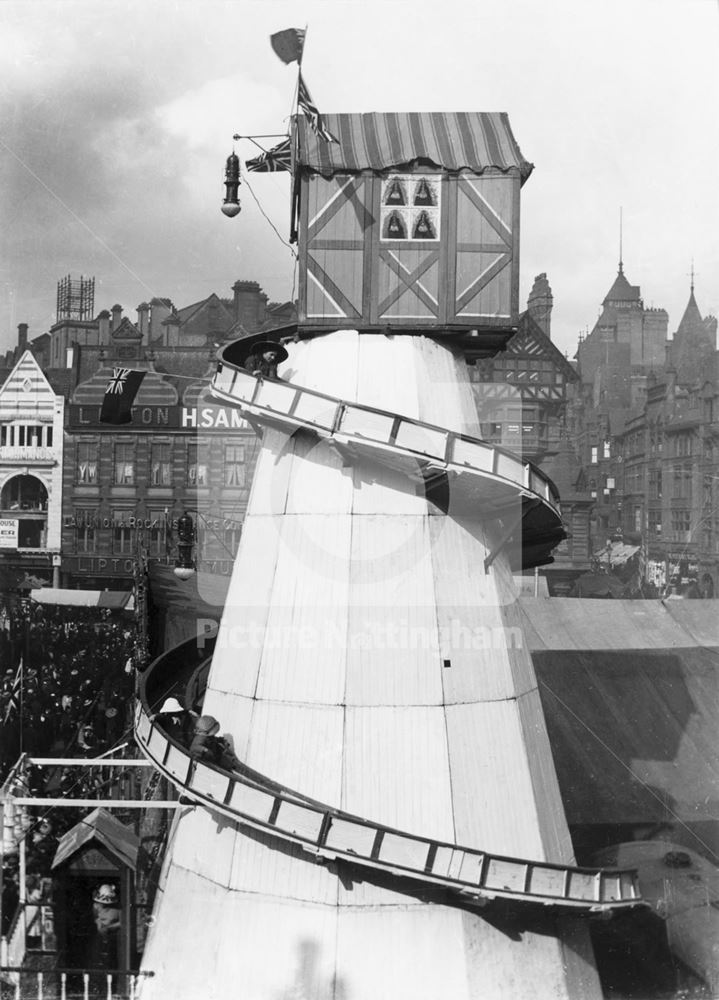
x: 396, y: 830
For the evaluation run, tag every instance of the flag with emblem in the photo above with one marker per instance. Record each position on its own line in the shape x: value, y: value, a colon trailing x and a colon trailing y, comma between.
x: 312, y: 115
x: 277, y: 158
x: 288, y: 44
x: 120, y: 395
x: 13, y: 696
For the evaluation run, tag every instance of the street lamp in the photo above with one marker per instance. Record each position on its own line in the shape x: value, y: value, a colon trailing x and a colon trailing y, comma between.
x: 184, y: 564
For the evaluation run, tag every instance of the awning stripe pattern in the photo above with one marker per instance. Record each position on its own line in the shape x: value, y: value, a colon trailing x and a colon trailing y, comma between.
x: 476, y: 141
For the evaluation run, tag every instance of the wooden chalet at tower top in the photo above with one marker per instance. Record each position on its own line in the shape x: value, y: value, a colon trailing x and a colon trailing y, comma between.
x: 409, y: 223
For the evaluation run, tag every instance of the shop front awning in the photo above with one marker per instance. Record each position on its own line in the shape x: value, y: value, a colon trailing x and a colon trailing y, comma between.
x: 116, y: 599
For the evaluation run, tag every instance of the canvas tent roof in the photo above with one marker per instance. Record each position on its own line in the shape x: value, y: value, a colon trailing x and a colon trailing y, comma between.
x: 84, y: 598
x: 101, y: 826
x: 476, y: 141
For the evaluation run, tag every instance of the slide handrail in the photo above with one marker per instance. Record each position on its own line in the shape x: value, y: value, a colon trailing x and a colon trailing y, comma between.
x: 246, y: 796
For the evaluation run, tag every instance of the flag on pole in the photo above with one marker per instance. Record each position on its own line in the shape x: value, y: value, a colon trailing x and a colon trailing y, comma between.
x: 14, y: 698
x: 288, y: 44
x: 120, y: 395
x: 275, y: 159
x: 313, y: 116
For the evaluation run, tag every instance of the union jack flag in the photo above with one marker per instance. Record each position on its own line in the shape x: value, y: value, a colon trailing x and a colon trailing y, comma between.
x: 14, y: 694
x: 120, y: 395
x: 312, y: 115
x: 275, y: 159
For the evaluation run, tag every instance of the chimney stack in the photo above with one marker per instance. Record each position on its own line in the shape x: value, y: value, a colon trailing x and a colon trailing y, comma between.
x: 103, y: 328
x: 143, y: 320
x: 248, y: 309
x: 22, y: 337
x: 539, y: 303
x: 116, y: 316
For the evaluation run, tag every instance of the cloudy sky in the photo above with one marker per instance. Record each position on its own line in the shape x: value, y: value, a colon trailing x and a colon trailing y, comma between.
x: 116, y: 119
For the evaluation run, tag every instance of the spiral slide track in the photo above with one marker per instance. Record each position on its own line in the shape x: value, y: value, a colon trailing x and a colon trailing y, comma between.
x: 332, y: 863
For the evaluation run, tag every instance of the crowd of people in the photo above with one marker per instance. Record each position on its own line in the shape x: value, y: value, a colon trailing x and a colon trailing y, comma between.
x: 67, y: 679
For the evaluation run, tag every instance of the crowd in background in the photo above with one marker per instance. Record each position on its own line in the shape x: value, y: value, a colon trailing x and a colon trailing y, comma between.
x: 66, y: 686
x: 67, y: 679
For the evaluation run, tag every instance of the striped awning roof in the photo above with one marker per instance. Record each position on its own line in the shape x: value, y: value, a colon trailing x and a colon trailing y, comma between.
x: 476, y: 141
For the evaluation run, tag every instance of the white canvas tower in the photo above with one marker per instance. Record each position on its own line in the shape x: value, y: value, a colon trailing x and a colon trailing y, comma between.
x: 366, y: 659
x: 394, y: 830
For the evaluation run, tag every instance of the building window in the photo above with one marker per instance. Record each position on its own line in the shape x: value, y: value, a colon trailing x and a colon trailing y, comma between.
x: 234, y: 465
x: 197, y: 464
x: 681, y: 520
x: 232, y: 531
x: 595, y: 454
x: 48, y: 437
x: 87, y: 462
x: 85, y: 520
x: 637, y: 518
x: 161, y: 465
x: 125, y: 464
x: 607, y: 450
x: 122, y: 534
x: 156, y: 534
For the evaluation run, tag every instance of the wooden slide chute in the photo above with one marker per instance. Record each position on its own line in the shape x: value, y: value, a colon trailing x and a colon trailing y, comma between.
x: 471, y: 876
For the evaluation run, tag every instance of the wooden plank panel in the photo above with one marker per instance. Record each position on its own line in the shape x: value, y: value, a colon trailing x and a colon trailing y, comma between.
x: 488, y: 758
x: 303, y: 656
x: 299, y: 819
x: 195, y: 829
x: 269, y: 483
x: 318, y: 484
x: 300, y: 747
x: 393, y: 650
x: 252, y: 802
x: 417, y: 952
x: 508, y: 875
x: 327, y: 364
x: 442, y: 861
x: 209, y: 782
x: 481, y: 648
x: 583, y: 886
x: 177, y: 763
x: 540, y: 760
x: 547, y: 881
x: 403, y: 851
x: 263, y: 866
x: 236, y: 660
x: 396, y: 769
x: 234, y: 713
x: 471, y: 869
x: 351, y: 836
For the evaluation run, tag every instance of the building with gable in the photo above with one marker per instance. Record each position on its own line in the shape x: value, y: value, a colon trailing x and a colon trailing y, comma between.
x: 522, y: 391
x: 126, y: 486
x: 647, y: 434
x: 31, y: 465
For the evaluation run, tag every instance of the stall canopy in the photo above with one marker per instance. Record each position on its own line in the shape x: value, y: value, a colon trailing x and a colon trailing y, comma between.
x: 100, y: 826
x: 117, y: 599
x: 475, y: 141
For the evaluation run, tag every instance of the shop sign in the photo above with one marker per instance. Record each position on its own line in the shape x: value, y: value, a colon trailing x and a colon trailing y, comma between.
x: 8, y: 533
x: 170, y: 417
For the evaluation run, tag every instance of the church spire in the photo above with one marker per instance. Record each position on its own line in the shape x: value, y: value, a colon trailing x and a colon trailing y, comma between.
x: 621, y: 262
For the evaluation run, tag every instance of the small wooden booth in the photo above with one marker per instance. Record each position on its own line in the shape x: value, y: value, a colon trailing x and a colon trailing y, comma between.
x: 410, y: 224
x: 99, y: 850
